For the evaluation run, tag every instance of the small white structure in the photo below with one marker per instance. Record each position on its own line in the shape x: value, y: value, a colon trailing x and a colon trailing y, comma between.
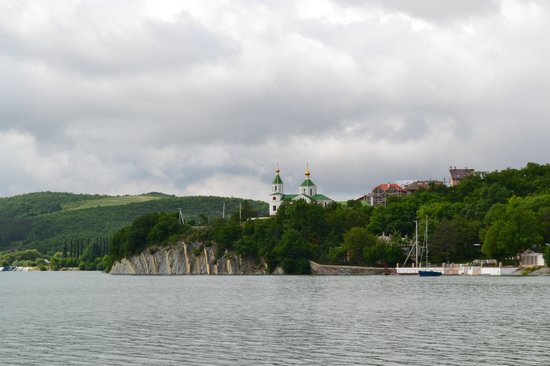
x: 486, y: 271
x: 530, y: 258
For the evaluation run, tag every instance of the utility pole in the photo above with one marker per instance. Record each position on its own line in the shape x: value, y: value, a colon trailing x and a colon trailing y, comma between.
x: 182, y: 220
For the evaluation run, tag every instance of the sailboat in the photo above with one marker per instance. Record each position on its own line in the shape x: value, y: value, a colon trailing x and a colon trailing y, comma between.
x: 427, y: 272
x: 417, y: 269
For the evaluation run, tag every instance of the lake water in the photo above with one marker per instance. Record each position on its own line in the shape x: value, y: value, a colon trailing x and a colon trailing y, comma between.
x: 88, y: 318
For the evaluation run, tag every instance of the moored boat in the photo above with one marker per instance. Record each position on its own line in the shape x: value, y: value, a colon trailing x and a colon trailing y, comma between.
x: 429, y: 273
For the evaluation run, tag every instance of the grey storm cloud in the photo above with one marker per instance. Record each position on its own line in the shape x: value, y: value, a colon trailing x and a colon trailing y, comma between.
x: 205, y: 97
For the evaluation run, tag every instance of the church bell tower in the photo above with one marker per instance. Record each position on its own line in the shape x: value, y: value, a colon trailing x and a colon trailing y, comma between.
x: 277, y: 193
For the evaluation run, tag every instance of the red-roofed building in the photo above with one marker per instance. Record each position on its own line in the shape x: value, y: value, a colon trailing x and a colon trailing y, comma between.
x: 382, y: 191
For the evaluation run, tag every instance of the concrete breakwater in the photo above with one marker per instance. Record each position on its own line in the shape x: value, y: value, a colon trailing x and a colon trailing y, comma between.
x: 187, y: 259
x: 325, y: 269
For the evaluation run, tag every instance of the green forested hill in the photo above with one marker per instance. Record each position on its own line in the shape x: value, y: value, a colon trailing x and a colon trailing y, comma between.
x: 47, y: 220
x: 493, y: 215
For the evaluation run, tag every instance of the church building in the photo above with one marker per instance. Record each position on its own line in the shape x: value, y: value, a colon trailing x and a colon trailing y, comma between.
x: 307, y: 192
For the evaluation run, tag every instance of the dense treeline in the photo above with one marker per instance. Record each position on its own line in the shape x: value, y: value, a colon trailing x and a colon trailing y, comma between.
x: 299, y: 232
x: 90, y: 254
x: 492, y: 215
x: 23, y: 258
x: 159, y: 229
x: 502, y: 213
x: 153, y: 229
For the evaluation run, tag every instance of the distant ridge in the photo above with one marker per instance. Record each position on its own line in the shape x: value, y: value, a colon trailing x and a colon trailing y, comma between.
x: 45, y: 220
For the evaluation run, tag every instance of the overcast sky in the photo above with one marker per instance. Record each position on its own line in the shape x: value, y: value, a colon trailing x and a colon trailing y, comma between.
x: 205, y: 97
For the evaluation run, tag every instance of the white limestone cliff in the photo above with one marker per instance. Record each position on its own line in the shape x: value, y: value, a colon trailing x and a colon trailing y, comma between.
x: 187, y: 259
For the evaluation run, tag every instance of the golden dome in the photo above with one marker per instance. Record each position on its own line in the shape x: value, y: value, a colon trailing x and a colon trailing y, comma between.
x: 307, y: 170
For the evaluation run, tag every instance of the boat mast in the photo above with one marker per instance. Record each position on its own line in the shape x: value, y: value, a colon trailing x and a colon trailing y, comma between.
x: 426, y: 238
x: 416, y: 241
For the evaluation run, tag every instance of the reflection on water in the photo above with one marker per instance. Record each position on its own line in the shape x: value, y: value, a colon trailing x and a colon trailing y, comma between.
x: 93, y: 318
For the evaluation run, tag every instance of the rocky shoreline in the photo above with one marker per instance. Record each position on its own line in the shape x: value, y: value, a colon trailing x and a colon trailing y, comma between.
x: 187, y: 259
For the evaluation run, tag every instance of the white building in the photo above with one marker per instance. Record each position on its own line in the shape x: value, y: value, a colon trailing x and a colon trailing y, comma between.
x: 531, y: 258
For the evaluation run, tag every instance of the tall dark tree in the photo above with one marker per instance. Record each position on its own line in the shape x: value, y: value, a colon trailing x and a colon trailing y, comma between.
x: 293, y: 253
x: 511, y: 232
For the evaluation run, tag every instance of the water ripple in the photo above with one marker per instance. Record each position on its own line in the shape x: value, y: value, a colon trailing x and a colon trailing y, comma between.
x: 97, y: 319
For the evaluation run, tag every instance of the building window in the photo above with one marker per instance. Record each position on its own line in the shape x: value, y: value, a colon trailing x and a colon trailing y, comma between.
x: 311, y: 192
x: 274, y: 208
x: 274, y: 198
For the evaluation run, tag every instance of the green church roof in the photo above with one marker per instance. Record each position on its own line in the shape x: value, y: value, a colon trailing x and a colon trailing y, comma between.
x: 307, y: 183
x: 316, y: 198
x: 277, y: 180
x: 321, y: 197
x: 289, y: 197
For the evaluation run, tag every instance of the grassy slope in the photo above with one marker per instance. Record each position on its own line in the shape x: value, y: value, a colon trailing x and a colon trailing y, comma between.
x: 108, y: 201
x: 45, y: 220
